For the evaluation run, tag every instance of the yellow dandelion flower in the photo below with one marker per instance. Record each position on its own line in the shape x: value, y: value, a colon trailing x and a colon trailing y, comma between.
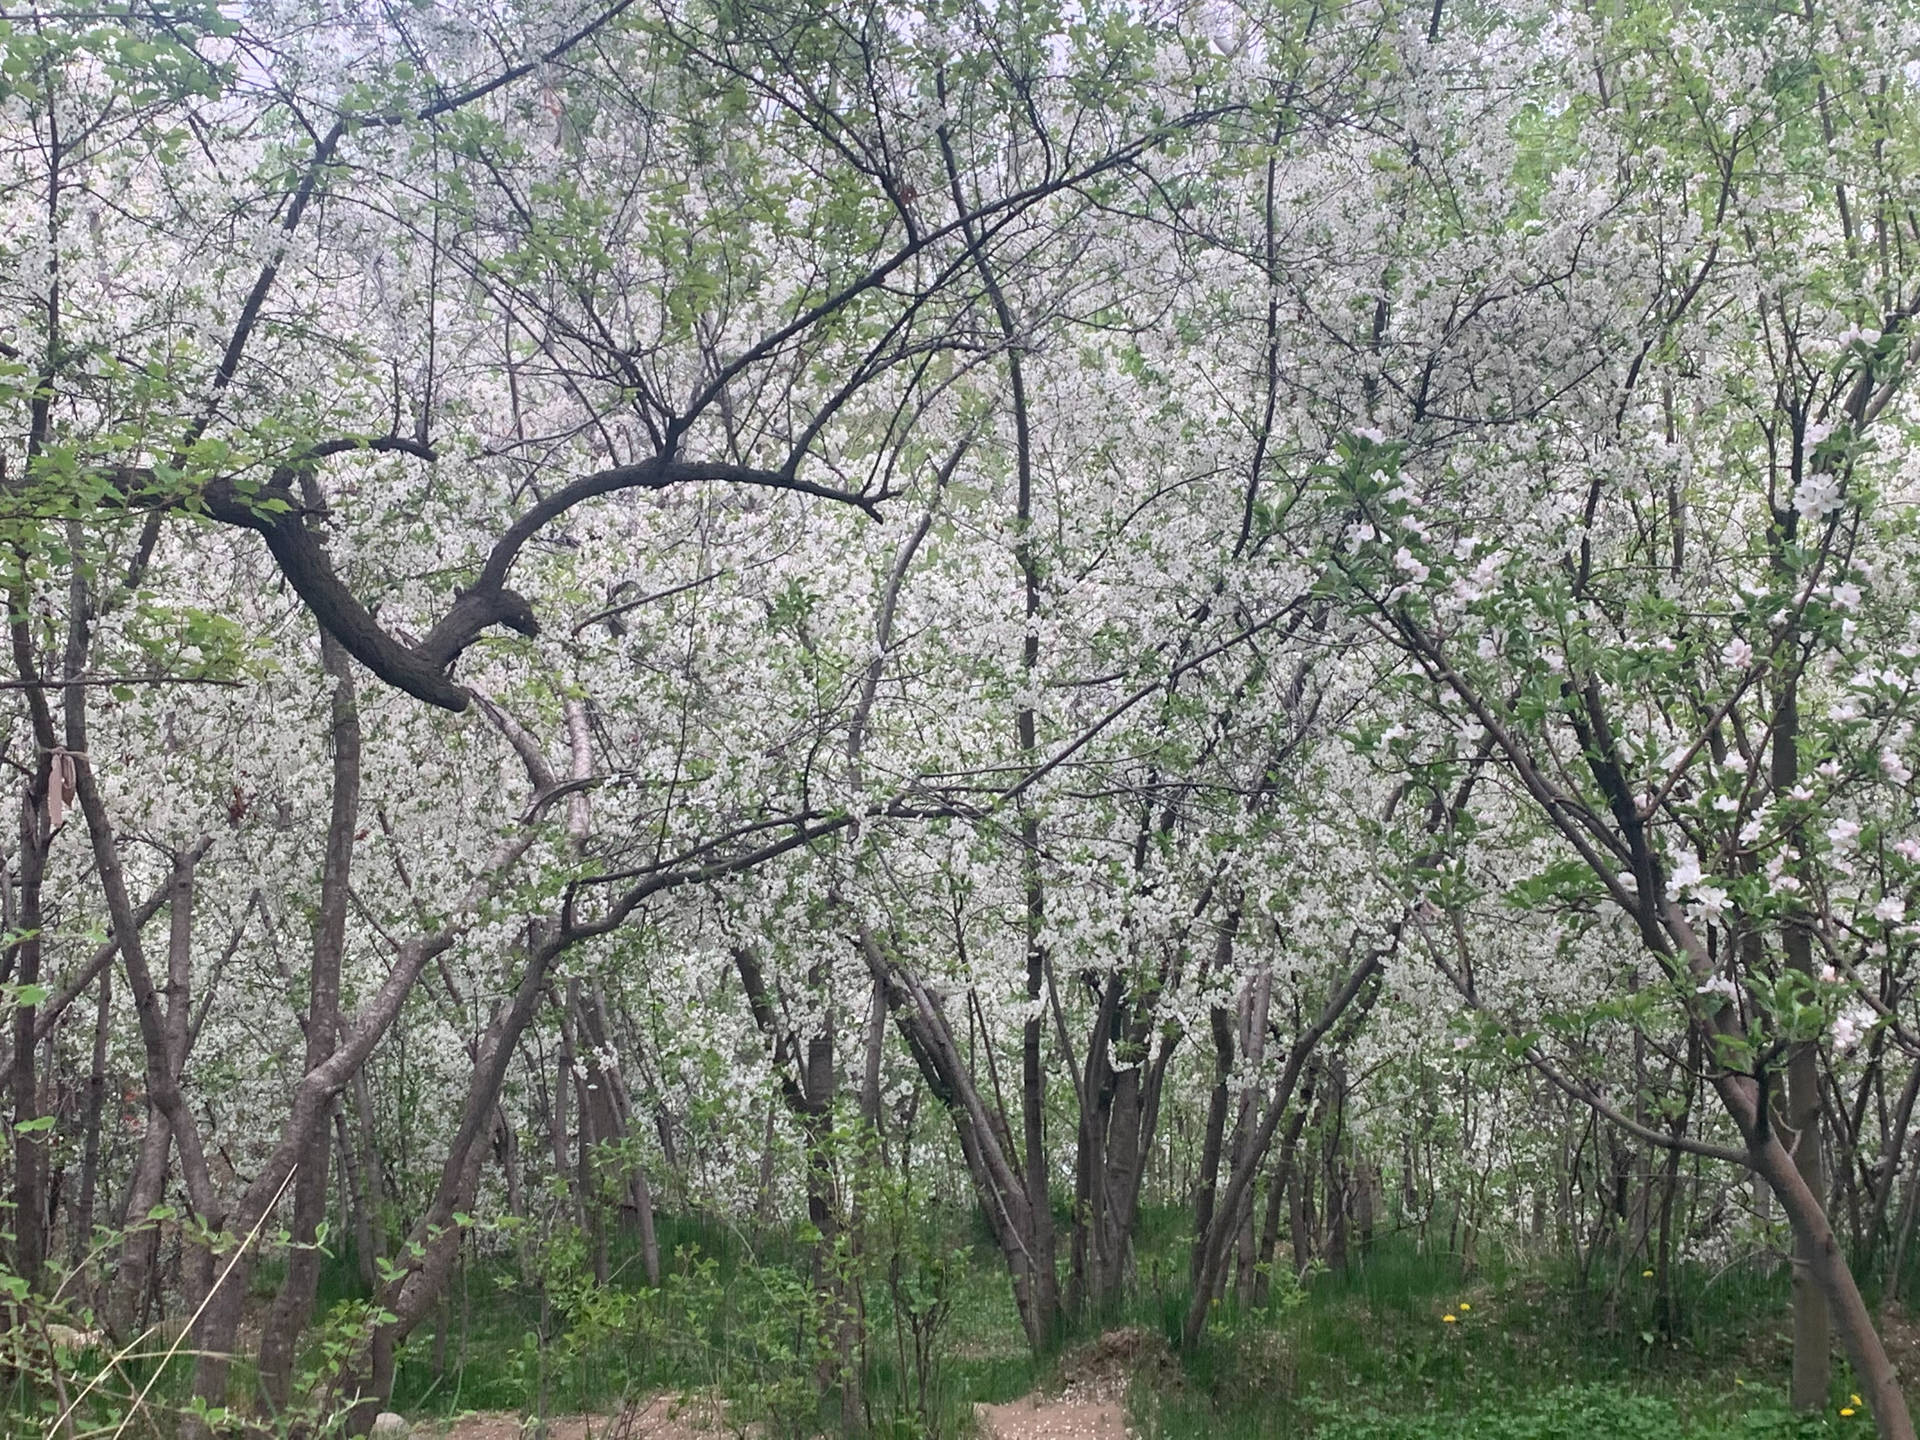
x: 1465, y: 1306
x: 1450, y: 1319
x: 1855, y: 1400
x: 1846, y: 1410
x: 1646, y: 1274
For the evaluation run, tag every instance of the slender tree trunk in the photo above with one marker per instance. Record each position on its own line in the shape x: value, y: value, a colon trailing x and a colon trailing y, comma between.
x: 293, y: 1305
x: 434, y: 1244
x: 1814, y: 1238
x: 354, y: 1199
x: 1812, y: 1341
x: 29, y: 1148
x: 1044, y: 1271
x: 1212, y: 1146
x: 610, y: 1085
x: 373, y: 1188
x: 1214, y: 1242
x: 1033, y: 1075
x: 1253, y: 1034
x: 985, y: 1143
x: 141, y: 1246
x: 1892, y: 1163
x: 1279, y: 1188
x: 82, y: 1235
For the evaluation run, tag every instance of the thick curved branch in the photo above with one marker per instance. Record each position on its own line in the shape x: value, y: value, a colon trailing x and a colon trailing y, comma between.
x: 277, y: 512
x: 654, y: 474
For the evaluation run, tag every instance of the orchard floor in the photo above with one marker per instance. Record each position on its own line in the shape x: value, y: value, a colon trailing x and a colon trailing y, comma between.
x: 1089, y: 1405
x: 1404, y: 1345
x: 1038, y: 1417
x: 660, y: 1417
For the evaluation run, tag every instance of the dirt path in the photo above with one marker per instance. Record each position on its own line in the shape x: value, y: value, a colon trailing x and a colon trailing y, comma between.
x: 1054, y: 1417
x: 1092, y: 1403
x: 663, y: 1417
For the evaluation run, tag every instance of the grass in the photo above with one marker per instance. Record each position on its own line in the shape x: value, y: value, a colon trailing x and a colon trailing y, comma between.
x: 733, y: 1315
x: 1369, y: 1355
x: 1362, y: 1355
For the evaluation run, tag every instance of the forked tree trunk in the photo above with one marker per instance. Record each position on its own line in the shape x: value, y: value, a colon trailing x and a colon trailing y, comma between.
x: 986, y: 1143
x: 1280, y: 1189
x: 434, y: 1243
x: 1214, y: 1243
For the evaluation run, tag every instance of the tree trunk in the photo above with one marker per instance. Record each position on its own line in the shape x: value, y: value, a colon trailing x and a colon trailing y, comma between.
x: 985, y: 1142
x: 1812, y: 1343
x: 293, y: 1305
x: 1279, y: 1189
x: 1206, y: 1192
x: 434, y: 1243
x: 141, y: 1245
x: 29, y: 1149
x: 1214, y: 1241
x: 96, y: 1106
x: 1814, y: 1238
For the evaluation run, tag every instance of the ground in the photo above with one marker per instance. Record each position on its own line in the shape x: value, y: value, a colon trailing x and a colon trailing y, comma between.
x: 659, y: 1417
x: 1089, y: 1404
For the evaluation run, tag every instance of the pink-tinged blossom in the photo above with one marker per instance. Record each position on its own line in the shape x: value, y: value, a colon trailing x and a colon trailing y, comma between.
x: 1850, y: 1025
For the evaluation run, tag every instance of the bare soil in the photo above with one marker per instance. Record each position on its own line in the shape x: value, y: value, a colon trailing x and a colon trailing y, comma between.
x: 659, y: 1417
x: 1091, y: 1403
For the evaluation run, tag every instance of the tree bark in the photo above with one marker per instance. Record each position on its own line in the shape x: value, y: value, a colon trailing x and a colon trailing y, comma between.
x: 1814, y: 1238
x: 1214, y: 1243
x: 293, y: 1305
x: 1812, y: 1341
x: 90, y: 1130
x: 985, y: 1142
